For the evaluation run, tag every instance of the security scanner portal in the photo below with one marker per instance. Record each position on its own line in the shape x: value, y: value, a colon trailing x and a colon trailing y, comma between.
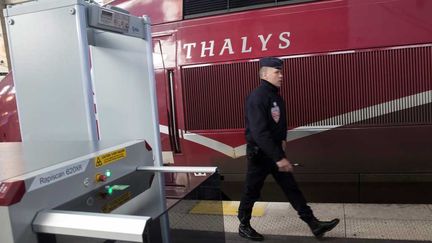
x: 99, y: 190
x: 89, y: 167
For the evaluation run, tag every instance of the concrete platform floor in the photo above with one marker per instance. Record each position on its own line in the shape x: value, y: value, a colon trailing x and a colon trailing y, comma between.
x: 234, y: 238
x: 359, y: 222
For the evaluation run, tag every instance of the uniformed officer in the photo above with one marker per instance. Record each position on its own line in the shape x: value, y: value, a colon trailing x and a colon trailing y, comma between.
x: 266, y: 131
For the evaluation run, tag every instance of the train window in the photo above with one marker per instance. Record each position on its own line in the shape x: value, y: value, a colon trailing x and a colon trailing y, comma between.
x: 193, y: 7
x: 247, y: 3
x: 200, y: 8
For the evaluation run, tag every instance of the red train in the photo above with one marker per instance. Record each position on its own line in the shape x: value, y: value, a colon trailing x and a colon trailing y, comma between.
x: 358, y: 88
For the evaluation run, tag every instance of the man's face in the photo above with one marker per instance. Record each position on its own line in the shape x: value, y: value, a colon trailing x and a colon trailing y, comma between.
x: 274, y: 76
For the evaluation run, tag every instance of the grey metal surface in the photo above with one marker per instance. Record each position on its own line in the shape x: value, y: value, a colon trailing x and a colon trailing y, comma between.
x: 59, y: 191
x: 110, y: 19
x: 95, y: 225
x: 56, y: 101
x: 10, y: 2
x: 164, y: 221
x: 20, y: 159
x: 49, y: 196
x: 123, y: 71
x: 51, y: 74
x: 6, y: 227
x: 192, y: 169
x: 119, y: 76
x: 32, y: 6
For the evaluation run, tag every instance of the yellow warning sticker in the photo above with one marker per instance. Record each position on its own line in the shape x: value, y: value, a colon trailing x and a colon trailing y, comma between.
x: 226, y: 208
x: 117, y: 202
x: 110, y: 157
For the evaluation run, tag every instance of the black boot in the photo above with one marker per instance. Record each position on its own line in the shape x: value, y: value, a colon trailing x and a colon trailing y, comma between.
x: 320, y: 227
x: 246, y: 231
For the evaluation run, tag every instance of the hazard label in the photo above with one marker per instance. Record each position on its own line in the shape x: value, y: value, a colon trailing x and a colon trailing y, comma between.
x: 117, y: 202
x: 110, y: 157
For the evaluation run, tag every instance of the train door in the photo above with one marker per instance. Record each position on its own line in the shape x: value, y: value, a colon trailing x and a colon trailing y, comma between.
x: 164, y: 55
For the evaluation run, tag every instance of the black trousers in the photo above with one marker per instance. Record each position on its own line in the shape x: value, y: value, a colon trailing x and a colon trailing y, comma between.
x: 258, y: 168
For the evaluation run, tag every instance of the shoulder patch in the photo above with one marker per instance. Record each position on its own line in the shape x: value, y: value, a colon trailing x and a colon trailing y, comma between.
x: 275, y: 112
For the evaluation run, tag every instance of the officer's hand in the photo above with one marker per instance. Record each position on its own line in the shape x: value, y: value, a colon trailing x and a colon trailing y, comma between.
x: 284, y: 146
x: 284, y: 165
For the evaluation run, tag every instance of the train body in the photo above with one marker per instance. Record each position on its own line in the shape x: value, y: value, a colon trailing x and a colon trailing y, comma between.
x: 357, y: 85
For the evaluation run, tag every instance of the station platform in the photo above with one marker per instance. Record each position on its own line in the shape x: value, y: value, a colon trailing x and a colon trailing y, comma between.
x: 278, y: 222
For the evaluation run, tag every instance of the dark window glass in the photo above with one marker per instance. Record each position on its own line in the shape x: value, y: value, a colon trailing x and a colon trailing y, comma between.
x: 203, y: 6
x: 198, y: 8
x: 246, y: 3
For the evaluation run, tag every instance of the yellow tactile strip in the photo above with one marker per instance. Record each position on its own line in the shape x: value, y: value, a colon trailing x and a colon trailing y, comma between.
x: 226, y: 208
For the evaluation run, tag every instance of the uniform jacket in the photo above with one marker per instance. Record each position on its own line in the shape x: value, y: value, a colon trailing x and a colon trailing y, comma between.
x: 266, y: 125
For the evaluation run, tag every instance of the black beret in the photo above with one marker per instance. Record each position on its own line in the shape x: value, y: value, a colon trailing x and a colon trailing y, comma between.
x: 271, y: 62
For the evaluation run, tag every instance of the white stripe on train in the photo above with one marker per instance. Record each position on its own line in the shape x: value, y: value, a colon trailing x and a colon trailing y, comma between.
x: 314, y: 128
